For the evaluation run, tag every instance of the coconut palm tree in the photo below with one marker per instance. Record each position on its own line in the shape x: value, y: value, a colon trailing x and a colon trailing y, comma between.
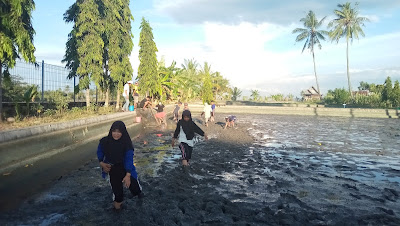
x: 236, y: 93
x: 255, y: 94
x: 347, y: 24
x: 312, y: 36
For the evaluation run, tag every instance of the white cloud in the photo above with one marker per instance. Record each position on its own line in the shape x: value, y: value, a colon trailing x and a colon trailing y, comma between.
x: 239, y: 53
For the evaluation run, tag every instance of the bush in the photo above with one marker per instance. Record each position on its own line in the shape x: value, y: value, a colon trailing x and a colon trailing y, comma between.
x: 49, y: 112
x: 59, y: 99
x: 338, y: 96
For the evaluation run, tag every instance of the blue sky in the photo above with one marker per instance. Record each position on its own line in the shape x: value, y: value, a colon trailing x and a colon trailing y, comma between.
x: 249, y: 42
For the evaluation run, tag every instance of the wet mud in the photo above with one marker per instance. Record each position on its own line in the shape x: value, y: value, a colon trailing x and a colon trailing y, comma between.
x: 268, y: 170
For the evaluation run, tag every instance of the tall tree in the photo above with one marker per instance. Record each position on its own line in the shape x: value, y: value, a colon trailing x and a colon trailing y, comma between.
x: 387, y: 94
x: 206, y: 88
x: 86, y: 38
x: 236, y: 93
x: 220, y: 85
x: 190, y: 87
x: 16, y: 36
x: 255, y: 94
x: 348, y: 25
x: 118, y: 45
x: 396, y: 94
x: 312, y: 35
x: 147, y: 72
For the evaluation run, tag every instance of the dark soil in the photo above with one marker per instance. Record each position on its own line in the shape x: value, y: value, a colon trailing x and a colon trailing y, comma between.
x: 232, y: 180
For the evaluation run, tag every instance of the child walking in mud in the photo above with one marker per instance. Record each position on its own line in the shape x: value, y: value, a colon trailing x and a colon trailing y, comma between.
x: 185, y: 130
x: 115, y: 154
x: 176, y: 111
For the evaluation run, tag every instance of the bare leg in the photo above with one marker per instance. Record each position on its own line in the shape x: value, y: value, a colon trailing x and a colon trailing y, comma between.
x: 117, y: 205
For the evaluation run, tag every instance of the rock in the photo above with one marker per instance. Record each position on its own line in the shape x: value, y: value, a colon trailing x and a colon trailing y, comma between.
x: 10, y: 119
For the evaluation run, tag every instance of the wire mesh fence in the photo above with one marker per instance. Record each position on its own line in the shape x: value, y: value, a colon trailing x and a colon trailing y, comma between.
x: 50, y: 78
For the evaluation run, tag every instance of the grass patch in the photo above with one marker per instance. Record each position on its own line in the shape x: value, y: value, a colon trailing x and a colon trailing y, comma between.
x: 54, y: 116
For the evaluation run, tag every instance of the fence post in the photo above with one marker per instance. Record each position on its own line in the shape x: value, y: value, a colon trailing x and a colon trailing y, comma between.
x: 42, y: 81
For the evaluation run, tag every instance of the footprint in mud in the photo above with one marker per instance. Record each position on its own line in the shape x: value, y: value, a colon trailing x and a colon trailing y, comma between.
x: 348, y: 186
x: 390, y: 194
x: 387, y: 211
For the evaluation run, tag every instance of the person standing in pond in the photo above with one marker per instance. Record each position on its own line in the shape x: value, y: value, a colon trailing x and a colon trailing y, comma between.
x: 125, y: 94
x: 160, y: 115
x: 185, y: 130
x: 135, y: 98
x: 212, y: 111
x: 207, y: 113
x: 185, y: 106
x: 176, y: 111
x: 115, y: 154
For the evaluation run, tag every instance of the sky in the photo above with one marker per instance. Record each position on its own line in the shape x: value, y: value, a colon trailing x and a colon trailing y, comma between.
x: 249, y: 42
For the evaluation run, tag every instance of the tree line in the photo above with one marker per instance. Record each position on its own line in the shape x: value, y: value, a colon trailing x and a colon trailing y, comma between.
x: 98, y: 50
x: 386, y: 95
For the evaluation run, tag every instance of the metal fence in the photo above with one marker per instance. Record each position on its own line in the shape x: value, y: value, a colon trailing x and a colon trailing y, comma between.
x: 50, y: 77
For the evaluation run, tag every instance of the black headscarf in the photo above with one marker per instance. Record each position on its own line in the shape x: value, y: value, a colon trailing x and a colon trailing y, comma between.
x: 114, y: 150
x: 187, y: 126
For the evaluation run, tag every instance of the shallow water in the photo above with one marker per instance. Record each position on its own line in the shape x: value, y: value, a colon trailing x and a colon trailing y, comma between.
x: 369, y: 148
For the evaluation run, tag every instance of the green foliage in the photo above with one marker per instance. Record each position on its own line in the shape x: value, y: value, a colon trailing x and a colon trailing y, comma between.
x: 59, y: 100
x: 312, y: 35
x: 236, y: 93
x: 16, y: 32
x: 49, y: 112
x: 167, y: 77
x: 277, y: 97
x: 364, y: 86
x: 373, y: 100
x: 84, y: 49
x: 16, y: 36
x: 255, y: 95
x: 337, y: 96
x: 347, y: 24
x: 30, y: 95
x: 206, y: 88
x: 13, y: 88
x: 118, y: 45
x: 147, y: 71
x: 387, y: 95
x: 220, y: 85
x: 189, y: 84
x: 396, y: 94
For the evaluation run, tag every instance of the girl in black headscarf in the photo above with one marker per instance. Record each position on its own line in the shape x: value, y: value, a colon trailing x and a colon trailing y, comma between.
x: 185, y: 129
x: 115, y: 154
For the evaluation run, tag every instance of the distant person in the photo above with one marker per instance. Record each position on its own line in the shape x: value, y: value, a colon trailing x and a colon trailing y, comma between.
x: 145, y: 106
x: 212, y: 119
x: 160, y: 115
x: 125, y: 94
x: 135, y: 98
x: 207, y: 113
x: 185, y: 130
x: 230, y: 121
x: 176, y: 111
x: 185, y: 106
x: 115, y: 154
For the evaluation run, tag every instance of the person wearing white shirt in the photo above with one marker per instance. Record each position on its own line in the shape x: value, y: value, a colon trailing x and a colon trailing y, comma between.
x: 125, y: 94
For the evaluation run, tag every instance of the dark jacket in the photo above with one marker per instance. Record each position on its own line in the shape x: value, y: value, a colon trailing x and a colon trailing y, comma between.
x: 192, y: 128
x: 127, y: 160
